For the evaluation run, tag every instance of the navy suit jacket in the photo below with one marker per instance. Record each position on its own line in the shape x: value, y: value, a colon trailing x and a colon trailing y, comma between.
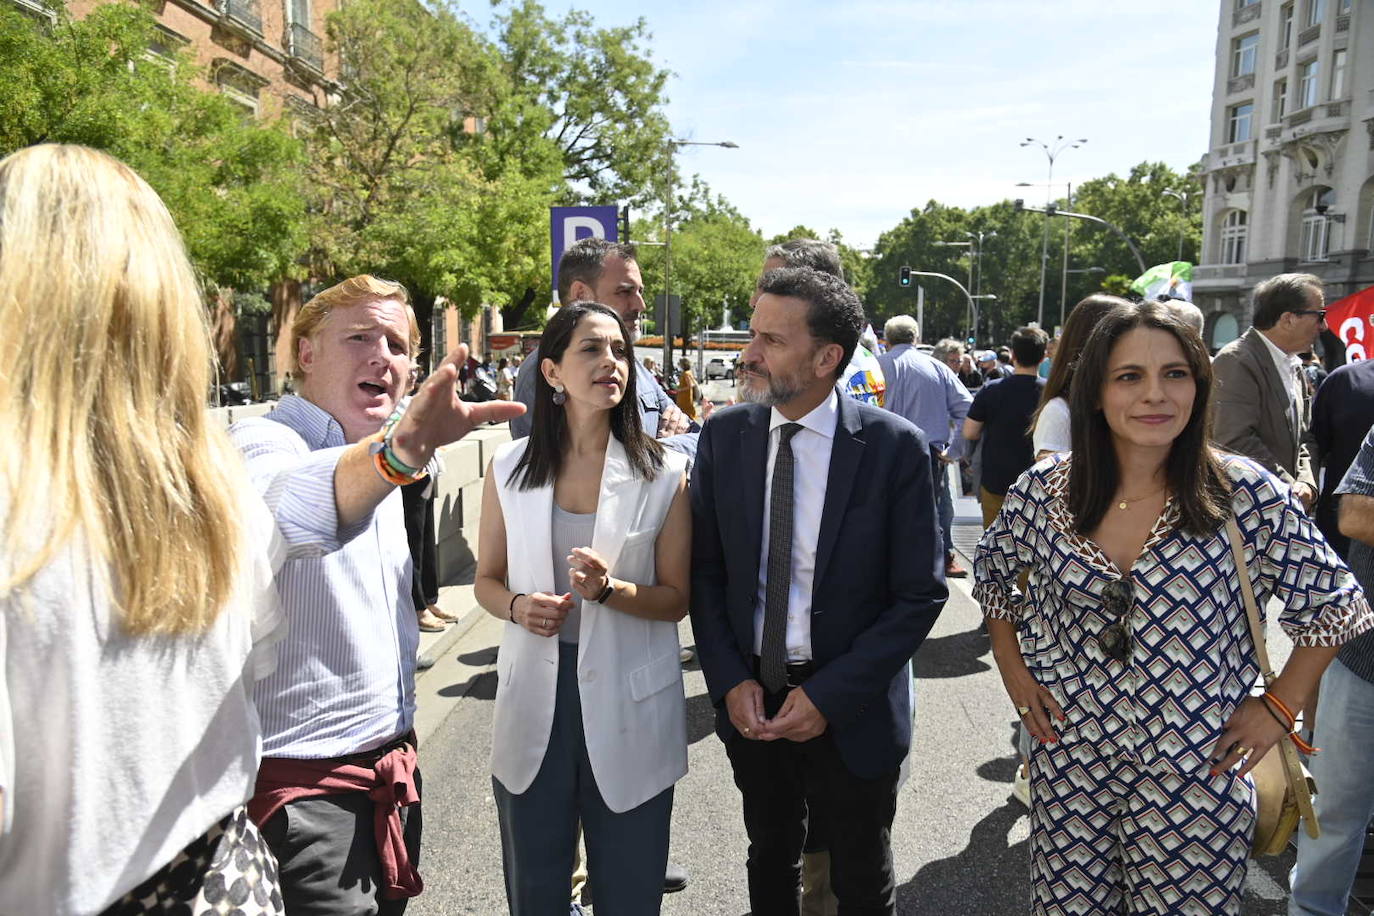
x: 879, y: 582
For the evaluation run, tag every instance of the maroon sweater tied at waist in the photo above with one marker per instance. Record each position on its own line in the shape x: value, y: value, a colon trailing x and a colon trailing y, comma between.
x: 389, y: 782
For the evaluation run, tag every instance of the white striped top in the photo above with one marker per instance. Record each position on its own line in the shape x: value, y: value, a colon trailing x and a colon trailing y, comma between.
x: 345, y: 678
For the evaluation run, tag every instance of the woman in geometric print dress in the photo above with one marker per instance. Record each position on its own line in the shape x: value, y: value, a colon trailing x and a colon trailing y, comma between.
x: 1135, y: 674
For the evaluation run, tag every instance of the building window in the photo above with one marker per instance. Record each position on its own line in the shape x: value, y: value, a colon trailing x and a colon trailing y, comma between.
x: 1316, y: 12
x: 1242, y: 4
x: 1243, y: 51
x: 1344, y: 6
x: 1316, y: 228
x: 1233, y: 231
x: 238, y: 84
x: 1307, y: 84
x: 1238, y: 124
x: 1338, y: 75
x: 1285, y: 27
x: 1280, y: 99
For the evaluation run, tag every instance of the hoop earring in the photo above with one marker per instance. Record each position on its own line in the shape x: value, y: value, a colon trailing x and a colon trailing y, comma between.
x: 558, y: 396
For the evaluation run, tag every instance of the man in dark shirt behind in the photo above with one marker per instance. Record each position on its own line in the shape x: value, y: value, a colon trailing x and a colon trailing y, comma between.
x: 1342, y: 412
x: 1001, y: 414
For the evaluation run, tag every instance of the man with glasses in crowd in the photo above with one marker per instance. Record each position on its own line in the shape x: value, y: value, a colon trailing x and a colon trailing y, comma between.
x: 1262, y: 407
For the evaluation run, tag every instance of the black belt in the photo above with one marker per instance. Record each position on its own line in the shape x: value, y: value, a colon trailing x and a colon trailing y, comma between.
x: 797, y: 672
x: 369, y: 758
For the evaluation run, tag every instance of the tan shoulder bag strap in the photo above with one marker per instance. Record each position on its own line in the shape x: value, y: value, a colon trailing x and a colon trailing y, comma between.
x: 1292, y: 766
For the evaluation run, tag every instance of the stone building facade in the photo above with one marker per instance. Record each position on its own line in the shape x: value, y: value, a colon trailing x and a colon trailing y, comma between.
x: 1289, y: 175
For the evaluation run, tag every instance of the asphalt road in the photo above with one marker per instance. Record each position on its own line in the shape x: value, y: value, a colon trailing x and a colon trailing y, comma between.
x: 959, y: 844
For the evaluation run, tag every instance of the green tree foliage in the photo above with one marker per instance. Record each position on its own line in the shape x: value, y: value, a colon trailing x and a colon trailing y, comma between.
x: 397, y: 194
x: 232, y: 184
x: 1138, y: 205
x: 593, y: 93
x: 716, y: 257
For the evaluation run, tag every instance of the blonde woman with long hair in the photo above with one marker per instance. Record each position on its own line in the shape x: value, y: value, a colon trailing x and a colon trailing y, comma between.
x: 136, y: 599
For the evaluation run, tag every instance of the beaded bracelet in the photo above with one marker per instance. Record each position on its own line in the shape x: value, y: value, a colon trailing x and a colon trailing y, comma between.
x: 387, y: 465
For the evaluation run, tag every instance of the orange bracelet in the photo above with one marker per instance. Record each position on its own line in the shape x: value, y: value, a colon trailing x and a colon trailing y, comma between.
x: 1292, y: 723
x: 377, y: 448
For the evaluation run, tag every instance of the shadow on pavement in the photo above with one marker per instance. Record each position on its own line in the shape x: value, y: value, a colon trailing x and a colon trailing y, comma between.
x: 478, y: 687
x: 955, y: 655
x: 987, y: 876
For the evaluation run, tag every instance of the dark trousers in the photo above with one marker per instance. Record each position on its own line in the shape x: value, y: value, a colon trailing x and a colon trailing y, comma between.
x: 326, y: 849
x: 627, y: 852
x: 944, y: 503
x: 781, y: 781
x: 419, y: 514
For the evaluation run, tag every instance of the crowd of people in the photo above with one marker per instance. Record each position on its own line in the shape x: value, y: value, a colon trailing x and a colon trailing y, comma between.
x: 210, y: 640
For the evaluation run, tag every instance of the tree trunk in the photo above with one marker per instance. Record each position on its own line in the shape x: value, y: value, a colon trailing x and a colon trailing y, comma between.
x: 514, y: 314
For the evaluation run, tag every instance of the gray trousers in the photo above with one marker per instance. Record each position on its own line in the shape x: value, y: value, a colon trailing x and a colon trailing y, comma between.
x: 627, y: 853
x: 326, y: 851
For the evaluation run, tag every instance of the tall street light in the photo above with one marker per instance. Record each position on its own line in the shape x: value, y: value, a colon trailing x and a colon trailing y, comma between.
x: 1052, y: 150
x: 674, y: 144
x: 979, y: 238
x: 971, y: 255
x: 1183, y: 198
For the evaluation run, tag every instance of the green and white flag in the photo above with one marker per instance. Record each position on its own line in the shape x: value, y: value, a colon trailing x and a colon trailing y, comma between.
x: 1173, y: 280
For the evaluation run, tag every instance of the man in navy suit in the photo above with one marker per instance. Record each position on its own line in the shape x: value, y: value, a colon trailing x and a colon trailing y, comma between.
x: 817, y: 570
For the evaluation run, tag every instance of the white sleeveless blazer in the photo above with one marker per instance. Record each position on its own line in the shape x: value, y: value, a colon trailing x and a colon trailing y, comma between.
x: 630, y: 677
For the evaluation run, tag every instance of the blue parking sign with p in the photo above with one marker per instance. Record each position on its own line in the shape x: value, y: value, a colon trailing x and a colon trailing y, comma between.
x: 570, y: 225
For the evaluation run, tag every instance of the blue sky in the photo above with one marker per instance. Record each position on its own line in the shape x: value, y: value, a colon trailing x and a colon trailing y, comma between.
x: 850, y: 114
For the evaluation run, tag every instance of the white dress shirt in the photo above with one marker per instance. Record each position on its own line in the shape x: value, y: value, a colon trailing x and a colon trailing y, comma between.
x: 1287, y: 365
x: 811, y: 467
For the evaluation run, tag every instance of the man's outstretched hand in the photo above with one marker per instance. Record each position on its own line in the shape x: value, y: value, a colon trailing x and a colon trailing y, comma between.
x: 437, y: 415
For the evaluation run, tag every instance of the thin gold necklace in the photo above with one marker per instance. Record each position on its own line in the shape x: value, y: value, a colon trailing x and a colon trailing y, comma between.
x: 1122, y: 504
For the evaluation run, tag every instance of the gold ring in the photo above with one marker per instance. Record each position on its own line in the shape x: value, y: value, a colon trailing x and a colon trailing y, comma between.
x: 1244, y: 751
x: 746, y: 731
x: 1022, y: 710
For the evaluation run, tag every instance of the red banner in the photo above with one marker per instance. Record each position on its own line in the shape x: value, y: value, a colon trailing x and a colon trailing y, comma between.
x: 502, y: 341
x: 1352, y: 320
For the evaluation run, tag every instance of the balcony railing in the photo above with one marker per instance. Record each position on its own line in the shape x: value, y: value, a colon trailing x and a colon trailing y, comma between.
x: 1212, y: 273
x: 1281, y: 59
x: 1273, y: 133
x: 244, y: 12
x: 304, y: 45
x: 1343, y: 23
x: 1240, y: 83
x: 1246, y: 14
x: 1309, y: 34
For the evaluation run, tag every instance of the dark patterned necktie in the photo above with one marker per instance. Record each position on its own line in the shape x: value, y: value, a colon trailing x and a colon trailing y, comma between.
x: 773, y: 649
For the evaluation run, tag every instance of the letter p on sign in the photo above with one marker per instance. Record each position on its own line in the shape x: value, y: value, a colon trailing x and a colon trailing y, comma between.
x: 570, y: 225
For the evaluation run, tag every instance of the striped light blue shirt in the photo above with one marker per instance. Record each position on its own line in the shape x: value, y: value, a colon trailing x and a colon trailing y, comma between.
x: 926, y: 392
x: 345, y: 678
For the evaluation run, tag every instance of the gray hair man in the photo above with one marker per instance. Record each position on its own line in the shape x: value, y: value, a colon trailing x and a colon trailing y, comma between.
x: 925, y: 391
x: 1262, y: 407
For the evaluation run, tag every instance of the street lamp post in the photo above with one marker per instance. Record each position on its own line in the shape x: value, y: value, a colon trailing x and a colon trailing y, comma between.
x: 1183, y: 198
x: 973, y: 306
x: 674, y: 144
x: 1052, y: 150
x: 969, y: 246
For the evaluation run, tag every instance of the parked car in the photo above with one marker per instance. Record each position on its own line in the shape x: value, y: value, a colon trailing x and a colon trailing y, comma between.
x: 720, y: 367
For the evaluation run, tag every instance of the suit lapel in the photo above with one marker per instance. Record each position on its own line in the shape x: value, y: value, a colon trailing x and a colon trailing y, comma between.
x: 617, y: 506
x: 1279, y: 394
x: 846, y: 453
x: 753, y: 470
x: 533, y: 520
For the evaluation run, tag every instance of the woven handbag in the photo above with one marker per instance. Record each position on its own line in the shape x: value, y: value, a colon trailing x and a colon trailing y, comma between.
x: 1283, y: 786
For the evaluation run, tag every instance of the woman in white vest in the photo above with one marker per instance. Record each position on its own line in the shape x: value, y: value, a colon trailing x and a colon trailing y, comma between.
x: 584, y: 550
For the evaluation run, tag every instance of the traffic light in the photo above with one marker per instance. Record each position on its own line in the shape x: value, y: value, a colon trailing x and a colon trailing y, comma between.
x: 904, y: 276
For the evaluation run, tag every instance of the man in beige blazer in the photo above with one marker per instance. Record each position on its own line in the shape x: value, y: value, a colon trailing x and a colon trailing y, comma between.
x: 1261, y: 403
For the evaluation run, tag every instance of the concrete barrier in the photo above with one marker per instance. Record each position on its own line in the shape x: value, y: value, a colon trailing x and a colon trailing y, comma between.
x: 458, y: 501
